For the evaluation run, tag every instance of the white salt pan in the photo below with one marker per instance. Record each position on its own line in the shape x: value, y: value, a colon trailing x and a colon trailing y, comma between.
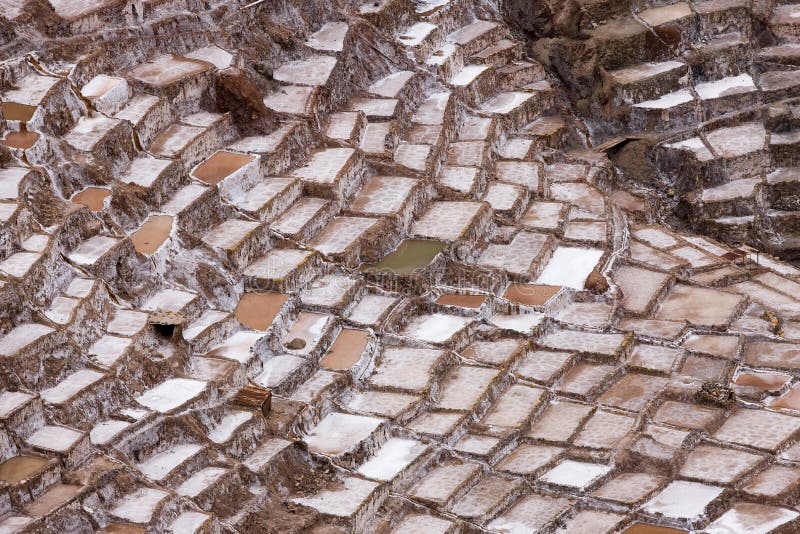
x: 570, y: 267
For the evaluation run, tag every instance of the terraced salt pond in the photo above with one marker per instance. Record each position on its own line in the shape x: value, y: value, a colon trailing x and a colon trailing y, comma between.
x: 409, y: 256
x: 21, y: 140
x: 13, y: 111
x: 258, y: 310
x: 152, y: 234
x: 92, y: 197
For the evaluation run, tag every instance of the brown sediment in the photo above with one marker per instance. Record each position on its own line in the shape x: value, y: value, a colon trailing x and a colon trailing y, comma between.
x: 21, y: 140
x: 91, y: 197
x: 221, y: 165
x: 464, y: 301
x: 596, y: 282
x: 149, y: 237
x: 530, y: 294
x: 12, y: 111
x: 346, y: 350
x: 258, y: 310
x: 19, y: 468
x: 642, y: 528
x: 296, y: 344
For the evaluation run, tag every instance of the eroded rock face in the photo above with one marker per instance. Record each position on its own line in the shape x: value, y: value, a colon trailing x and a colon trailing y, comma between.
x: 393, y: 266
x: 691, y: 78
x: 545, y: 19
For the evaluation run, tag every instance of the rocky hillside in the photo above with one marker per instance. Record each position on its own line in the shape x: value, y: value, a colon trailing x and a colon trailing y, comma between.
x: 398, y: 266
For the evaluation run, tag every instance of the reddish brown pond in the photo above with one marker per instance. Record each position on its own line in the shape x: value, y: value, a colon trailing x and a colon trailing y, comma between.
x: 346, y: 350
x: 530, y: 294
x: 13, y: 111
x: 258, y: 310
x: 149, y: 237
x: 642, y: 528
x: 221, y: 165
x: 790, y: 400
x: 761, y: 380
x: 19, y: 468
x: 123, y: 528
x: 464, y: 301
x: 21, y: 140
x: 92, y: 197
